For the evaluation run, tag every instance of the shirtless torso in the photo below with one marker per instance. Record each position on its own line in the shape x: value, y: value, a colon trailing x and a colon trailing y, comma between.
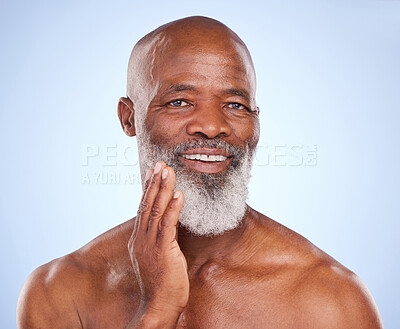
x: 283, y: 282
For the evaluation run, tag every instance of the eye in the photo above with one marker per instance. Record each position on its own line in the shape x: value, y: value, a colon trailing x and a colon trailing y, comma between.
x: 237, y: 106
x: 178, y: 103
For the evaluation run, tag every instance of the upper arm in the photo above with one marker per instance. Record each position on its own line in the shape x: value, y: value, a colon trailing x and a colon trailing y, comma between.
x: 338, y: 299
x: 45, y: 300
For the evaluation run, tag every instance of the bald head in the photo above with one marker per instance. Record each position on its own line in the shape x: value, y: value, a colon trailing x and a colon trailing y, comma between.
x: 195, y: 35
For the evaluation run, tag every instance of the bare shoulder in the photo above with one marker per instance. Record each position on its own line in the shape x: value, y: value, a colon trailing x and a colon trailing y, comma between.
x: 324, y: 292
x: 334, y: 297
x: 54, y: 294
x: 49, y: 296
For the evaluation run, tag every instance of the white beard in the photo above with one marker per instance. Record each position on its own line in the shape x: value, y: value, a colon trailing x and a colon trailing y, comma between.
x: 214, y: 203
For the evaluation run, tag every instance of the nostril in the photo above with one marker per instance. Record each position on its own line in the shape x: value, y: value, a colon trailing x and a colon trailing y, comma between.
x: 208, y: 127
x: 209, y: 136
x: 200, y: 134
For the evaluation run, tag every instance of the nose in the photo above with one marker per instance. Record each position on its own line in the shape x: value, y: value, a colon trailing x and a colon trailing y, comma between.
x: 208, y: 121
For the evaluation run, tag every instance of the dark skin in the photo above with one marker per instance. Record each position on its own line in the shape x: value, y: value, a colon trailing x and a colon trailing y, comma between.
x: 150, y: 272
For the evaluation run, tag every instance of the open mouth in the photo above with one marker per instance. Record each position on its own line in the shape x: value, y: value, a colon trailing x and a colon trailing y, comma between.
x: 205, y: 157
x: 206, y: 160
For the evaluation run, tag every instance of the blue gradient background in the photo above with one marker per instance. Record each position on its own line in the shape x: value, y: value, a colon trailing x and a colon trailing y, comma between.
x: 328, y: 75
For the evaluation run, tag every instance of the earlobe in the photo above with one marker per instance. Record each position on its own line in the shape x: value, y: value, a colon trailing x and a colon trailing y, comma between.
x: 126, y: 115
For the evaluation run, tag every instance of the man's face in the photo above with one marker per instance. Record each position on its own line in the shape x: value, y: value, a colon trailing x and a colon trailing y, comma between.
x: 205, y: 92
x: 202, y: 120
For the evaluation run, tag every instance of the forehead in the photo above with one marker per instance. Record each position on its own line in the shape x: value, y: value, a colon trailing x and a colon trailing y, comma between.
x: 203, y: 60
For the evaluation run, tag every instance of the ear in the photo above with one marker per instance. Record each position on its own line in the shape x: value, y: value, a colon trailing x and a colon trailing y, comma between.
x: 126, y: 115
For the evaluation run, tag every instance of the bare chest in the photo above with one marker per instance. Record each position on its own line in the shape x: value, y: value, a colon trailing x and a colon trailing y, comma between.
x: 239, y: 306
x: 214, y: 302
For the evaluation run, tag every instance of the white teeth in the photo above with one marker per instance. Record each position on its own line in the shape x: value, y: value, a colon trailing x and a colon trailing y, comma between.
x: 204, y: 157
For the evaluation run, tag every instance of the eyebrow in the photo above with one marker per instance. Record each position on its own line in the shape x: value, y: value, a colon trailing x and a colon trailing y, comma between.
x: 177, y: 87
x: 237, y: 92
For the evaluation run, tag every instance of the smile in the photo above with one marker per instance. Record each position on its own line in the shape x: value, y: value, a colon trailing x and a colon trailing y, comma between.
x: 205, y: 160
x: 205, y: 157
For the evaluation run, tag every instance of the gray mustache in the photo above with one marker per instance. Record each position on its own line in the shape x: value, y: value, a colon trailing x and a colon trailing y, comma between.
x: 216, y: 143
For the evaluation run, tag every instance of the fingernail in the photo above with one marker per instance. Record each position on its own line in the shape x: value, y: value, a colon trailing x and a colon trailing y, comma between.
x: 176, y: 194
x: 157, y: 168
x: 148, y: 174
x: 164, y: 173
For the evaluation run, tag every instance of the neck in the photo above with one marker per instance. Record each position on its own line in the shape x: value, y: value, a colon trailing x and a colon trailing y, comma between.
x: 201, y: 249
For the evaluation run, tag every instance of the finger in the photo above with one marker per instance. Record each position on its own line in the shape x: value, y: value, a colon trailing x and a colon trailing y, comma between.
x: 163, y: 198
x: 147, y: 181
x: 168, y: 224
x: 146, y: 205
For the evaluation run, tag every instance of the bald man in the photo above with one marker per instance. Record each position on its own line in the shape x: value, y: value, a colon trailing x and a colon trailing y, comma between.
x: 196, y: 255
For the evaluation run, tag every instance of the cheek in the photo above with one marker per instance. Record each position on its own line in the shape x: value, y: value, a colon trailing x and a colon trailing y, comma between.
x: 248, y: 131
x: 164, y: 130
